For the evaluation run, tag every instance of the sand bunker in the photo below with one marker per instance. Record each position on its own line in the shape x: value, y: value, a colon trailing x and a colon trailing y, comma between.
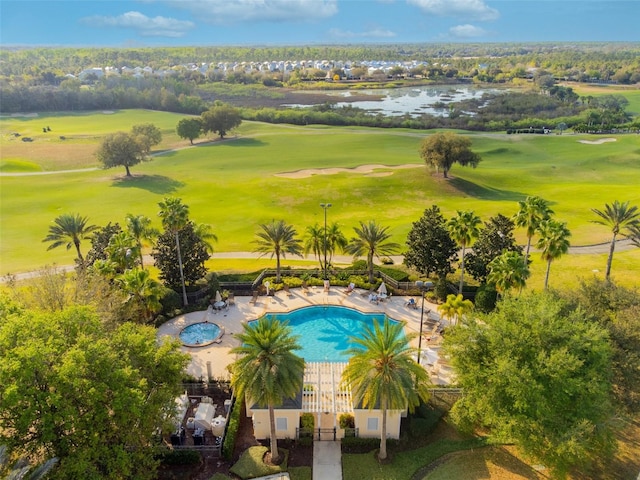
x: 598, y: 142
x: 108, y: 112
x: 368, y: 170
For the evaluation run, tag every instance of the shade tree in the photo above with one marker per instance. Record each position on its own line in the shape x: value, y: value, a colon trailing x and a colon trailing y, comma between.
x: 67, y: 388
x: 536, y: 372
x: 495, y: 237
x: 220, y: 119
x: 442, y: 150
x: 189, y: 128
x: 147, y: 135
x: 121, y: 149
x: 431, y: 247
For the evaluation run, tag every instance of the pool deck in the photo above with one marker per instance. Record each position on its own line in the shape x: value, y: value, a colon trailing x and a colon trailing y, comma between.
x: 231, y: 320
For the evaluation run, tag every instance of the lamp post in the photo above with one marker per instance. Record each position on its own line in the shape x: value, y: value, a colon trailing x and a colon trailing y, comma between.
x: 325, y: 206
x: 421, y: 285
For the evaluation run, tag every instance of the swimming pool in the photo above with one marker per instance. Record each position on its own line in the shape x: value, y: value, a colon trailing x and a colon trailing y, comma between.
x: 324, y: 331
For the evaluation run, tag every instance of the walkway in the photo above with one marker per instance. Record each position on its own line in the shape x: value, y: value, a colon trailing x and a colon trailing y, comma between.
x: 327, y: 461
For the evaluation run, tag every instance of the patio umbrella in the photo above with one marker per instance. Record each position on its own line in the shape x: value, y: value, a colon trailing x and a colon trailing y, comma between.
x: 218, y: 296
x: 382, y: 289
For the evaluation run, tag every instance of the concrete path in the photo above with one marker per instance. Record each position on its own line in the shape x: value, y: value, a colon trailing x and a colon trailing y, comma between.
x: 327, y: 461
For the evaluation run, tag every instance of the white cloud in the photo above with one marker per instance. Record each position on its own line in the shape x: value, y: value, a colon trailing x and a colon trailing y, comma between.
x: 467, y: 31
x: 473, y: 9
x: 236, y: 11
x: 145, y: 26
x: 373, y: 33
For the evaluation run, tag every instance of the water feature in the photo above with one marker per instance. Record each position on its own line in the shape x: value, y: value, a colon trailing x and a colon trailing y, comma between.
x: 415, y: 101
x: 200, y: 334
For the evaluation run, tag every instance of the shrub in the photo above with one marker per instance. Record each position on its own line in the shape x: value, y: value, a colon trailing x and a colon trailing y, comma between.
x: 346, y: 420
x: 441, y: 291
x: 232, y: 431
x: 170, y: 301
x: 307, y: 420
x: 424, y: 421
x: 179, y: 457
x: 486, y: 298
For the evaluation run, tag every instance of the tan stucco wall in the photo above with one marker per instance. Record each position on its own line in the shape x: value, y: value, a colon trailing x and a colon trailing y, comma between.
x: 393, y: 423
x: 261, y: 425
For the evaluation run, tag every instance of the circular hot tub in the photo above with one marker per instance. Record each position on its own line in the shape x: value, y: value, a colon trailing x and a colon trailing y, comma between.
x: 200, y: 334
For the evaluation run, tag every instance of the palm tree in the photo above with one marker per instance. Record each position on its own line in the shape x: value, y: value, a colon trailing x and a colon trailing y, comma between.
x: 617, y: 216
x: 455, y: 307
x: 371, y: 240
x: 142, y: 290
x: 633, y: 233
x: 204, y: 233
x: 22, y: 469
x: 383, y: 374
x: 122, y: 250
x: 530, y: 213
x: 507, y: 271
x: 278, y: 238
x: 464, y: 229
x: 175, y: 215
x: 553, y: 242
x: 267, y: 371
x: 314, y: 241
x: 139, y: 227
x: 69, y: 229
x: 335, y: 240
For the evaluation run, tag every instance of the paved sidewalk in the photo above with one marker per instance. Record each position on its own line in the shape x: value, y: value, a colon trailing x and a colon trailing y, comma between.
x: 327, y: 460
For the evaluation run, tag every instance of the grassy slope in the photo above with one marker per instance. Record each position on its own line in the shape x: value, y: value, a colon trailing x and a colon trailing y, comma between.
x: 232, y: 186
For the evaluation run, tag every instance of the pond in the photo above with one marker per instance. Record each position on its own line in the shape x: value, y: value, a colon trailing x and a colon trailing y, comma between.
x: 415, y: 101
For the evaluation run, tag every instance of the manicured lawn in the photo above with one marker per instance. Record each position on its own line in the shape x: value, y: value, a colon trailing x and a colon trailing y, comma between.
x: 404, y: 464
x: 232, y: 184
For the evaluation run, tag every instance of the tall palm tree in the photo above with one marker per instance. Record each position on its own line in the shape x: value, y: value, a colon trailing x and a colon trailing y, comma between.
x: 464, y: 229
x: 69, y: 229
x: 267, y: 371
x: 617, y: 216
x: 175, y: 215
x: 530, y: 213
x: 139, y: 227
x: 507, y: 271
x: 335, y: 240
x: 143, y: 291
x: 455, y: 307
x: 314, y: 242
x: 277, y: 238
x: 553, y: 243
x: 371, y: 240
x: 383, y: 374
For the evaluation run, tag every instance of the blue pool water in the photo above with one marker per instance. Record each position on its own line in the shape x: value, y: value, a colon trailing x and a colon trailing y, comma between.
x: 200, y: 334
x: 324, y: 331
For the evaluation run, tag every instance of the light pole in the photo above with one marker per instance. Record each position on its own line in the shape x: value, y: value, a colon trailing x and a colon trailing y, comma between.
x: 325, y: 206
x: 421, y: 285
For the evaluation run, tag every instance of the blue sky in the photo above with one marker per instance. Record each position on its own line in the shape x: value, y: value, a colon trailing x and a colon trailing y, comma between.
x: 127, y: 23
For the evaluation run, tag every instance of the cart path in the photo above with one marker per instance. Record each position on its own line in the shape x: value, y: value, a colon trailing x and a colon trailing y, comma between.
x: 621, y: 246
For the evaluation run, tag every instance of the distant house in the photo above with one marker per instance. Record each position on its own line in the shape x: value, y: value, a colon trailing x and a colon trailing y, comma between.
x: 323, y: 397
x: 96, y: 71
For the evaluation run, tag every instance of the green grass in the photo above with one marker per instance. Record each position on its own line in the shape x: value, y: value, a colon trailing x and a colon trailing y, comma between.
x: 404, y: 464
x: 232, y: 185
